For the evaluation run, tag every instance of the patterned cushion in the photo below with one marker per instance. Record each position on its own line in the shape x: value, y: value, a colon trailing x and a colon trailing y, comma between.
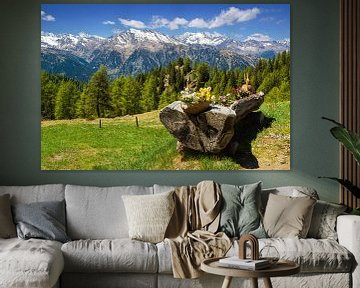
x: 323, y: 223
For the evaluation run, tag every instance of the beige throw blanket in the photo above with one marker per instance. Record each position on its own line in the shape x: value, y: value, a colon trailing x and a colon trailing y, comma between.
x: 191, y: 231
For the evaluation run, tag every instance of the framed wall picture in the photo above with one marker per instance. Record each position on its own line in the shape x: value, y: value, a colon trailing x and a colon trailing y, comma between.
x: 165, y: 86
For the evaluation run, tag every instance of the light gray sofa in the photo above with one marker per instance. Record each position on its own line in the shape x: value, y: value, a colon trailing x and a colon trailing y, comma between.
x: 101, y: 255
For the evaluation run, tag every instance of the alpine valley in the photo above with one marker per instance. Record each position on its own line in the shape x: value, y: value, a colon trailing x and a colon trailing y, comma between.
x: 134, y: 51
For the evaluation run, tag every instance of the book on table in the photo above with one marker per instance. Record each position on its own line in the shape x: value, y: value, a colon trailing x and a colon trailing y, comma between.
x: 249, y: 264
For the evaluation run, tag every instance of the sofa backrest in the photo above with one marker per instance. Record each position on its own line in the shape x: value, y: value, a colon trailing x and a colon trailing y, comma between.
x: 35, y: 193
x: 98, y: 212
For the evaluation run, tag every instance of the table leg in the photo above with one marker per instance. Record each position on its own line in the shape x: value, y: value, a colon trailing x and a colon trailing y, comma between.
x: 267, y: 283
x: 254, y: 282
x: 227, y: 282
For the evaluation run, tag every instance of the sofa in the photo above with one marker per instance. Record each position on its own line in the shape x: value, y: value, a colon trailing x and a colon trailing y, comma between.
x: 100, y: 253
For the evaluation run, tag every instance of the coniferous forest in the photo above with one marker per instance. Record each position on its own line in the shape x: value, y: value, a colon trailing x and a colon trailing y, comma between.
x: 102, y: 97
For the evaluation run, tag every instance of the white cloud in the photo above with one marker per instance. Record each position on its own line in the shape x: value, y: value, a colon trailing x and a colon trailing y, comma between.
x: 132, y: 23
x: 226, y: 17
x: 47, y: 17
x: 174, y: 24
x: 108, y: 22
x: 258, y: 37
x: 198, y: 23
x: 233, y: 15
x: 177, y: 22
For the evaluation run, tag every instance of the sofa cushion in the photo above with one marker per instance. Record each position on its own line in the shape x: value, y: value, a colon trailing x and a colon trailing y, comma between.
x: 98, y: 212
x: 149, y: 215
x: 240, y: 210
x: 323, y: 222
x: 7, y: 226
x: 30, y: 263
x: 35, y: 193
x: 43, y: 220
x: 313, y: 255
x: 287, y: 216
x: 116, y: 255
x: 291, y: 191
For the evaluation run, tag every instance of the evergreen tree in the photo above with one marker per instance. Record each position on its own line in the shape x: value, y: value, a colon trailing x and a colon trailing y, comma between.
x: 116, y: 88
x: 202, y: 74
x: 48, y: 94
x: 66, y: 98
x: 149, y: 94
x: 99, y: 91
x: 130, y: 96
x: 86, y: 105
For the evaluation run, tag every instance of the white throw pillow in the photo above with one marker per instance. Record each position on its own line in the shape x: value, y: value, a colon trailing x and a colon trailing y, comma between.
x: 149, y: 215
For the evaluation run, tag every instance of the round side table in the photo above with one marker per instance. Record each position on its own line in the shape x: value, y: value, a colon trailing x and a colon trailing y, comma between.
x: 281, y: 268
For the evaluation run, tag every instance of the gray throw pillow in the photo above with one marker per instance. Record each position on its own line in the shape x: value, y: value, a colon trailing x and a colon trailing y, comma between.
x: 323, y: 222
x: 44, y: 220
x: 240, y: 213
x: 7, y: 226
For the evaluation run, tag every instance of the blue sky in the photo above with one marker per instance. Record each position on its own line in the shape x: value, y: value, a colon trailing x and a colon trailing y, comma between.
x: 240, y: 21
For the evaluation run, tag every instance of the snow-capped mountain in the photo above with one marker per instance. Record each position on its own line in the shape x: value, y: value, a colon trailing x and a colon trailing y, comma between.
x: 202, y: 38
x: 134, y: 51
x: 81, y: 45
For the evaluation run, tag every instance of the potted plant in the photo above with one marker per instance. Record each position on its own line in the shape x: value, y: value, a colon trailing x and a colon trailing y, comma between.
x: 196, y: 102
x: 351, y: 141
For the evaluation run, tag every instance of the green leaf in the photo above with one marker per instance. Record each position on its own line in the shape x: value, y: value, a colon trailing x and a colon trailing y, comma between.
x: 348, y: 138
x: 348, y: 185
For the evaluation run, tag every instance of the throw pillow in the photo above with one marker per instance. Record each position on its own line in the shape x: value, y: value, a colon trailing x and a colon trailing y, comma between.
x: 149, y: 215
x: 323, y: 222
x: 288, y: 217
x: 240, y: 213
x: 7, y: 227
x: 43, y: 220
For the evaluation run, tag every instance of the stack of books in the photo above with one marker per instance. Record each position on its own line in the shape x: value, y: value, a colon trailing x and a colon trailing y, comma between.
x: 248, y: 264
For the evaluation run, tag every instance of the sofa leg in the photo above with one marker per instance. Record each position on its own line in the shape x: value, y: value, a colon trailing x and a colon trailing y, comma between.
x: 254, y: 282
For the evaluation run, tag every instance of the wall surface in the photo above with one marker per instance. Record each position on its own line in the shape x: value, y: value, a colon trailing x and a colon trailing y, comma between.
x: 314, y: 93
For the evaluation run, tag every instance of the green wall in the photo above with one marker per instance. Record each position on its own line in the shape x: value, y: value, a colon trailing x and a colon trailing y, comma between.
x: 315, y: 74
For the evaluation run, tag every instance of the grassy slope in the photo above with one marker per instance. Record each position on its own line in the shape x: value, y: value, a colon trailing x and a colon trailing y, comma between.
x: 120, y: 145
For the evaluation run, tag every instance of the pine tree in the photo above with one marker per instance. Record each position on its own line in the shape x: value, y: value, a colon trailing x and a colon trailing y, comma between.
x: 149, y: 94
x: 66, y: 98
x: 130, y: 96
x: 48, y: 94
x: 86, y: 105
x: 202, y: 74
x: 99, y: 91
x: 116, y: 88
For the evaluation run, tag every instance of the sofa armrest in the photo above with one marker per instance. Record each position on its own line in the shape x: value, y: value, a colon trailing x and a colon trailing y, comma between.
x: 348, y: 230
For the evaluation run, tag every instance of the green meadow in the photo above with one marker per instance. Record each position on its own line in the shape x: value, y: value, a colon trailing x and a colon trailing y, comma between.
x: 120, y: 144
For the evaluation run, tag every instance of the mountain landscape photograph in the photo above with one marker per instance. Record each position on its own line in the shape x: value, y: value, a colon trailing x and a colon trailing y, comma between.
x: 165, y: 86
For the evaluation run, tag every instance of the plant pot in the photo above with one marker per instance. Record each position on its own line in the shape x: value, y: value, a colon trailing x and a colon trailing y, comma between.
x: 195, y: 108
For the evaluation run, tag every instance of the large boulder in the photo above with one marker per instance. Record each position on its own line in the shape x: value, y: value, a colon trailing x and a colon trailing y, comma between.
x: 211, y: 130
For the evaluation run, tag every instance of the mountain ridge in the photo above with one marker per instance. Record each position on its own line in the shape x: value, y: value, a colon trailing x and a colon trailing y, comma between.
x: 135, y: 51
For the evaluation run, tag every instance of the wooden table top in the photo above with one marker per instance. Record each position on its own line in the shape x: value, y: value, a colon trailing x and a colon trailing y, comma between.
x: 281, y: 268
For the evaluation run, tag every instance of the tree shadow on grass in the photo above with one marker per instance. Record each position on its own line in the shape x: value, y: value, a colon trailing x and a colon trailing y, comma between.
x: 246, y: 130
